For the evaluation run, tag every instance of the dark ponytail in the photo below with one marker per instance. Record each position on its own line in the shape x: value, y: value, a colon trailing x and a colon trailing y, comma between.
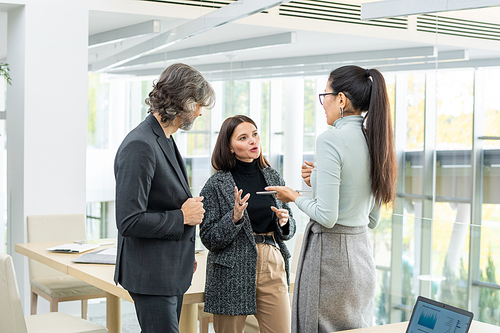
x: 366, y: 91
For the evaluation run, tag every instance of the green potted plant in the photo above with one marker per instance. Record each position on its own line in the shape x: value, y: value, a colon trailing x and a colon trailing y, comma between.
x: 4, y: 71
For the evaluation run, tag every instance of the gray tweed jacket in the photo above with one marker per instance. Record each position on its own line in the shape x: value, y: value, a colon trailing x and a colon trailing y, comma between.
x: 232, y: 257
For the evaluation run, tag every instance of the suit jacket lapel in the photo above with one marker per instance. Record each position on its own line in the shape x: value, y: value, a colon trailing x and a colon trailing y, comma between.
x: 179, y: 168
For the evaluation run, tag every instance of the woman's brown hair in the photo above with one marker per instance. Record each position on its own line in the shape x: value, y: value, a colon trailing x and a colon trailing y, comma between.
x: 222, y: 158
x: 366, y: 90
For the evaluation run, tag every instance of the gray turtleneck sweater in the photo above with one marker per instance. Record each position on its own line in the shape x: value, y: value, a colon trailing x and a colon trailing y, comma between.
x: 341, y: 178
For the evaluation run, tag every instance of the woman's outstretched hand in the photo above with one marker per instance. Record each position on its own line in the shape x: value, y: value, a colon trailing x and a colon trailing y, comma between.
x: 283, y: 193
x: 240, y: 204
x: 282, y: 215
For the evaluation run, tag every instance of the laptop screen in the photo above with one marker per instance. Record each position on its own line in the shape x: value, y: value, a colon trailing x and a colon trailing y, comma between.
x: 431, y: 316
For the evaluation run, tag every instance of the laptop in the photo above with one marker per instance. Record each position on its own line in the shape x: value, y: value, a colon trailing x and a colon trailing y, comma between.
x: 431, y: 316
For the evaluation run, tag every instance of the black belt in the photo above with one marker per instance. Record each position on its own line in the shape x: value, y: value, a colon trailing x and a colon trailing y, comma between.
x: 268, y: 239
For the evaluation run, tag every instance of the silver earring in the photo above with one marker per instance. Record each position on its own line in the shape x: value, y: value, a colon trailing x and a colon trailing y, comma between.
x: 341, y: 112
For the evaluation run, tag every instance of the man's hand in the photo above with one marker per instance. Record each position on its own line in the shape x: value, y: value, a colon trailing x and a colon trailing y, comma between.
x: 193, y: 211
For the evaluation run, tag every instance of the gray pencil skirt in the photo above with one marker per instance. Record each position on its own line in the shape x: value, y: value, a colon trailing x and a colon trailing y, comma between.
x: 335, y: 281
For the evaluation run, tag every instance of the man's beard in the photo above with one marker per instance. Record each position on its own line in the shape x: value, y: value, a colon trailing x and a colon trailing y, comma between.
x: 187, y: 121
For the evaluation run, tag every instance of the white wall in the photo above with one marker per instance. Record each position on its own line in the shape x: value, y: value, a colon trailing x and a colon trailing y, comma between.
x: 47, y: 116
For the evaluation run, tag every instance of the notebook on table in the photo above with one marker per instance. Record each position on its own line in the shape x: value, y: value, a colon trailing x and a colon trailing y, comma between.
x: 73, y: 248
x: 431, y: 316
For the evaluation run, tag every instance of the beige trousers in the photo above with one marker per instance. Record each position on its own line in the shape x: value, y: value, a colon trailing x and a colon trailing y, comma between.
x: 273, y: 303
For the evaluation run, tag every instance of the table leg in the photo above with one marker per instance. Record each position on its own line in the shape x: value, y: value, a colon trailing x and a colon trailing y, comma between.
x: 113, y: 313
x: 189, y: 318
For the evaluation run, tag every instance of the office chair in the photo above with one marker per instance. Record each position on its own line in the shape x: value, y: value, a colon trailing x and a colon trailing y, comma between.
x: 47, y: 282
x: 11, y: 312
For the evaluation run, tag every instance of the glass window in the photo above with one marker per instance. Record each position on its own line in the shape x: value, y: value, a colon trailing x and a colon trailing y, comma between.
x: 450, y: 252
x: 264, y: 131
x: 490, y: 243
x: 415, y: 133
x: 492, y: 107
x: 390, y: 81
x: 97, y: 221
x: 409, y: 259
x: 381, y: 244
x: 309, y: 104
x: 382, y: 297
x: 236, y: 98
x: 98, y: 107
x: 381, y: 238
x: 489, y: 295
x: 416, y: 110
x: 455, y: 105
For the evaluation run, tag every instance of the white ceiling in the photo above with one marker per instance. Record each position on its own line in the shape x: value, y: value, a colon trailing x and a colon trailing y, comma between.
x: 313, y: 37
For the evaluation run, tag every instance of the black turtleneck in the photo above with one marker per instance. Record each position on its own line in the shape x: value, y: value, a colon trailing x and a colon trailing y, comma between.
x: 248, y: 178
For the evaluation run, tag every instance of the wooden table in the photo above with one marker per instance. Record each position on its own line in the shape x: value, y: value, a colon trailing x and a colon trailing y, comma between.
x: 101, y: 276
x: 476, y: 327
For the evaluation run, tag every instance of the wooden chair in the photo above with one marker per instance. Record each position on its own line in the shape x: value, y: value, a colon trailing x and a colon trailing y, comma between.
x: 47, y: 282
x: 12, y: 317
x: 204, y: 318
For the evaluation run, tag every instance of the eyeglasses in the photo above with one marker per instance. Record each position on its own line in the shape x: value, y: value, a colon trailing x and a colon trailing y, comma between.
x: 322, y: 97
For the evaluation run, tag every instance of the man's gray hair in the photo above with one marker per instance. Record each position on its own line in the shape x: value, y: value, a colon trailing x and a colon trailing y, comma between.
x: 179, y: 89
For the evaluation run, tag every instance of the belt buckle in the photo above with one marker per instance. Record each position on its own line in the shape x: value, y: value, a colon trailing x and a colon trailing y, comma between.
x: 261, y: 238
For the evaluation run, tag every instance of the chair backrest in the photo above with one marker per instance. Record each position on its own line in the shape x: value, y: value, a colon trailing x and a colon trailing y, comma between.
x: 65, y: 228
x: 11, y: 312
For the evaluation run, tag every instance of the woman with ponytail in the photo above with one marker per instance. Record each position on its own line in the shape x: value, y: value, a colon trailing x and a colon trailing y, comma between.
x: 353, y: 176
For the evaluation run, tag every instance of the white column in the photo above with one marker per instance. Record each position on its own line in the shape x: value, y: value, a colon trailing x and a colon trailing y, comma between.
x: 294, y: 137
x: 216, y: 118
x: 256, y: 102
x: 275, y: 126
x: 47, y: 117
x: 319, y: 113
x: 293, y: 131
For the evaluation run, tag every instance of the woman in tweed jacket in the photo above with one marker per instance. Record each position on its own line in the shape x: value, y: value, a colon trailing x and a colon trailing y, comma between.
x: 247, y: 264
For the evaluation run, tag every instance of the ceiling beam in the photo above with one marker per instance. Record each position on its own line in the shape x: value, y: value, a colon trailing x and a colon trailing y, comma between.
x: 116, y: 35
x: 426, y: 51
x: 232, y: 46
x: 327, y: 59
x: 322, y: 70
x: 391, y: 54
x: 474, y: 63
x: 229, y: 13
x: 228, y: 71
x: 394, y: 8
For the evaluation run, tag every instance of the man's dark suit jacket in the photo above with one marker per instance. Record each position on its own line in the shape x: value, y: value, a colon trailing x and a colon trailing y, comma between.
x: 155, y: 249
